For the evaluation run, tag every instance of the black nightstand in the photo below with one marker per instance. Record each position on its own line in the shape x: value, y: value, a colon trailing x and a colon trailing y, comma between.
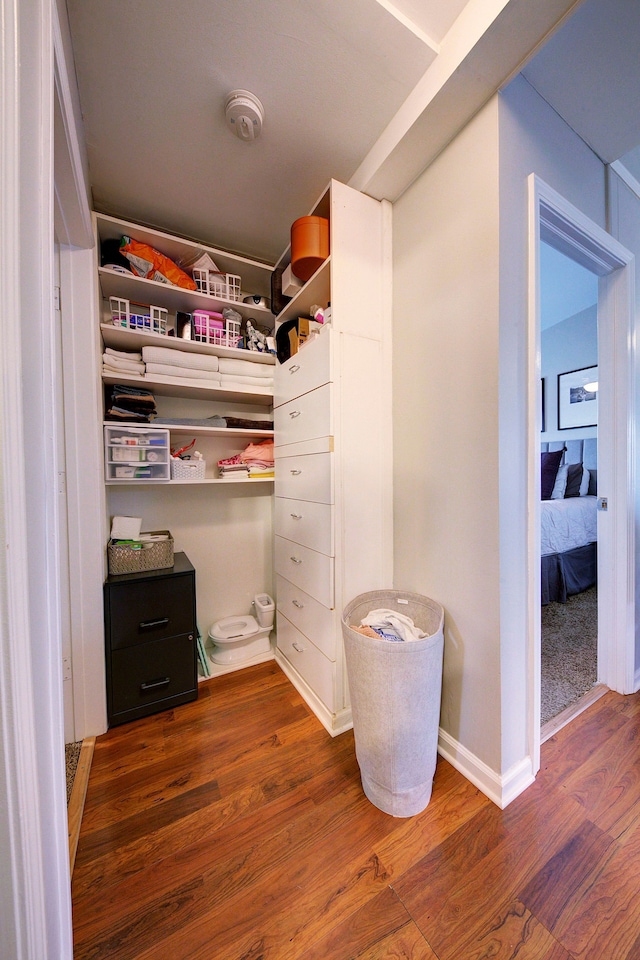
x: 150, y: 640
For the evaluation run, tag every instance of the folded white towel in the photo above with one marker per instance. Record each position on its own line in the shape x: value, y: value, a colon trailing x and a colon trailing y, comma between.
x: 180, y: 358
x: 245, y: 368
x: 167, y: 370
x: 248, y: 381
x: 124, y: 354
x: 116, y: 365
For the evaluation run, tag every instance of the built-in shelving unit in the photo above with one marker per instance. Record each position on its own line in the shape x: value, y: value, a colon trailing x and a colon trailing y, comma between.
x: 256, y: 276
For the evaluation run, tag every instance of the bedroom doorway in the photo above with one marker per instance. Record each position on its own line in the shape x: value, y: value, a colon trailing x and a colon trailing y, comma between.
x: 569, y: 379
x: 556, y: 222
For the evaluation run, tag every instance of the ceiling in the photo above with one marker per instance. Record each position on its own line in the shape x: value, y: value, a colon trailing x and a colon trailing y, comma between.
x: 364, y: 91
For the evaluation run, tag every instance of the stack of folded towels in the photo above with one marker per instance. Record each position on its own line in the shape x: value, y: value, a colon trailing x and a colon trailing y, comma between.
x: 122, y: 363
x: 165, y: 362
x: 202, y: 368
x: 249, y: 373
x: 255, y: 462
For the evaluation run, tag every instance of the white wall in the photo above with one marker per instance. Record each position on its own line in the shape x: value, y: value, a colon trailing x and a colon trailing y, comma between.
x: 569, y: 345
x: 445, y: 409
x: 533, y: 139
x: 460, y: 375
x: 624, y: 224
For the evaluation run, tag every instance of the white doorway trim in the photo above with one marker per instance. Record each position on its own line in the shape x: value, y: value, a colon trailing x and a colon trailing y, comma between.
x: 556, y: 221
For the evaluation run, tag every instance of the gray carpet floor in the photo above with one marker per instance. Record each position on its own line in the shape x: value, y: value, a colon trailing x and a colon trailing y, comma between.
x: 72, y: 755
x: 569, y: 651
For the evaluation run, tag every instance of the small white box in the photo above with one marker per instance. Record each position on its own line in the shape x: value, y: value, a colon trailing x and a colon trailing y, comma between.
x: 290, y: 283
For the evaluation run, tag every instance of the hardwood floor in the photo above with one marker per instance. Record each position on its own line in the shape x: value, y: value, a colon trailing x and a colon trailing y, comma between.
x: 235, y: 828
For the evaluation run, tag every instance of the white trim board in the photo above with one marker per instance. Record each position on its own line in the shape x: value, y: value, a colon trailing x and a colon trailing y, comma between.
x: 555, y: 220
x: 501, y: 789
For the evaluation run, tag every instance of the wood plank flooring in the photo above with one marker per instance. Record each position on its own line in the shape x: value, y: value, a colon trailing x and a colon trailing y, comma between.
x: 235, y: 828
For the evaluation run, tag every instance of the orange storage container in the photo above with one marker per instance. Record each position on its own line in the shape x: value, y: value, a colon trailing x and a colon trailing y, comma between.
x: 309, y: 245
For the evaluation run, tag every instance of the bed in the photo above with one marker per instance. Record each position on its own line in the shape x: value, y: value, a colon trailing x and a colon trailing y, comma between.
x: 568, y: 530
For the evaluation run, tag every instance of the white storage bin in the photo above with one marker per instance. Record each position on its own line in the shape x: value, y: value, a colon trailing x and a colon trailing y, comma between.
x: 187, y: 469
x: 136, y: 453
x: 148, y: 319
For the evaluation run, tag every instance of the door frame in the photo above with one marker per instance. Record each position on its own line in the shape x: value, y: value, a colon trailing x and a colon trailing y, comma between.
x: 556, y: 221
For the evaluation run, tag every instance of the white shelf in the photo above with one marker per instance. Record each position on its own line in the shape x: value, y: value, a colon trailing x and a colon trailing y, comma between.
x: 176, y: 387
x: 120, y: 339
x: 193, y: 431
x: 190, y: 483
x: 256, y: 276
x: 139, y: 290
x: 316, y: 290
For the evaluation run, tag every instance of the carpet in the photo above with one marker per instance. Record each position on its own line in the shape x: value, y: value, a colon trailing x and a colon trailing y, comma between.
x: 72, y: 755
x: 569, y: 651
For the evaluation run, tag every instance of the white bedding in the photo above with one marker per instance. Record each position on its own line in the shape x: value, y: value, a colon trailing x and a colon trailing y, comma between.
x: 565, y: 524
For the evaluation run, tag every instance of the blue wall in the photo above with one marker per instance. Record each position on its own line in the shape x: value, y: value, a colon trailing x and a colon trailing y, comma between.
x: 569, y: 345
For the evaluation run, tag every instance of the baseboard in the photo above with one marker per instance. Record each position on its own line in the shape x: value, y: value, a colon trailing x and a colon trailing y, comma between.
x: 78, y: 796
x: 334, y: 723
x: 636, y: 681
x: 501, y: 789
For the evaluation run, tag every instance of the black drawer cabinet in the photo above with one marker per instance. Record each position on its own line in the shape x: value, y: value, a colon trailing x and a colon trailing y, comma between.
x: 150, y: 638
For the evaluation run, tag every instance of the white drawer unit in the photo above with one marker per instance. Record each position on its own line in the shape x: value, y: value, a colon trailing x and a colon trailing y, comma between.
x: 309, y: 615
x: 308, y: 661
x: 311, y: 571
x: 133, y: 453
x: 304, y: 418
x: 306, y: 522
x: 333, y: 515
x: 309, y: 477
x: 306, y: 370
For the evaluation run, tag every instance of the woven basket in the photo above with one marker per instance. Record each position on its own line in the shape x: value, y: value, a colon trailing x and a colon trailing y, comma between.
x: 153, y: 556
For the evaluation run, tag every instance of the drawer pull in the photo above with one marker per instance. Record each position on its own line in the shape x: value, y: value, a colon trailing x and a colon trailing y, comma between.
x: 295, y: 473
x: 297, y: 604
x: 297, y: 646
x: 295, y: 560
x: 297, y: 516
x: 150, y: 624
x: 294, y: 368
x: 294, y: 413
x: 155, y: 684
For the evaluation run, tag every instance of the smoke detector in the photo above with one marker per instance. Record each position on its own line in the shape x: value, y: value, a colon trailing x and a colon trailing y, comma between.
x: 244, y: 114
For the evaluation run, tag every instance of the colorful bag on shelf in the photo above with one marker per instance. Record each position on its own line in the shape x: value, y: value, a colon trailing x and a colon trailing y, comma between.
x: 150, y: 264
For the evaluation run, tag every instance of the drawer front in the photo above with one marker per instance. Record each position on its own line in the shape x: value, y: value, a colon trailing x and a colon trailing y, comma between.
x: 152, y: 673
x: 306, y: 370
x: 304, y: 418
x: 312, y: 665
x: 309, y: 477
x: 311, y: 571
x: 309, y: 616
x: 305, y: 522
x: 145, y: 610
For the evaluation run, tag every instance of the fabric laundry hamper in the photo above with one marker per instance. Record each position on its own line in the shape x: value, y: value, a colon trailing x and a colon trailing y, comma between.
x: 395, y: 700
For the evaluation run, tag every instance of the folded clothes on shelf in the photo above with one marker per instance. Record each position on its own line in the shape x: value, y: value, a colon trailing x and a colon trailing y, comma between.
x: 121, y: 362
x: 129, y: 404
x: 180, y: 358
x: 245, y: 368
x: 264, y: 383
x: 256, y: 459
x: 237, y: 423
x: 182, y: 373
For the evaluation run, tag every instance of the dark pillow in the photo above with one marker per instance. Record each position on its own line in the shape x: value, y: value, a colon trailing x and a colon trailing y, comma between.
x: 574, y: 479
x: 548, y: 470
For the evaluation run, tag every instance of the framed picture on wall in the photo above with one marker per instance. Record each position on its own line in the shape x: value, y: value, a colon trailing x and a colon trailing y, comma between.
x: 578, y: 398
x: 544, y: 426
